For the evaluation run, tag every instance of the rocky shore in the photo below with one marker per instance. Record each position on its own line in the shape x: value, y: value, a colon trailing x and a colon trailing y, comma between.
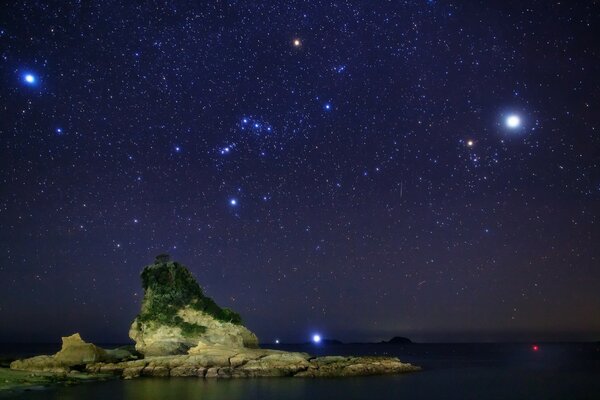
x: 203, y: 361
x: 182, y: 332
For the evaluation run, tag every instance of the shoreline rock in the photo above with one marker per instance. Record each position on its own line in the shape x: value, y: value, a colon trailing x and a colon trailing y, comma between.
x: 16, y: 381
x: 182, y: 332
x: 211, y: 362
x: 215, y: 363
x: 74, y: 355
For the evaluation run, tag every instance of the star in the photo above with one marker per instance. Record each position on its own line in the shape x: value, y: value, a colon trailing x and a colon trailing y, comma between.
x: 316, y: 338
x: 297, y: 42
x: 233, y: 202
x: 177, y: 149
x: 58, y: 131
x: 327, y: 106
x: 29, y: 79
x: 513, y: 121
x: 226, y: 150
x: 470, y: 143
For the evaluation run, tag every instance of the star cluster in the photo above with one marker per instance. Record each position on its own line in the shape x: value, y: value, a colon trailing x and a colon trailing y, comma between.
x: 359, y: 170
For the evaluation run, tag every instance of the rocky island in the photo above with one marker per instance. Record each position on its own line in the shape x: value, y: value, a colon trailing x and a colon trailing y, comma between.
x: 182, y: 332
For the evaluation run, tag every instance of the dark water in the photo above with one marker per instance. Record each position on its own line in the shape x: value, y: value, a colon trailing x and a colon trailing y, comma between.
x: 451, y: 371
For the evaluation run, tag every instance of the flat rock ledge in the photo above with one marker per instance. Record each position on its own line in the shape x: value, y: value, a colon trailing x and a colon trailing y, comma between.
x: 239, y: 363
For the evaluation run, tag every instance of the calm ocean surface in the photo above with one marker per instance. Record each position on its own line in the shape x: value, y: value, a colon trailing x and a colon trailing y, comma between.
x: 451, y: 371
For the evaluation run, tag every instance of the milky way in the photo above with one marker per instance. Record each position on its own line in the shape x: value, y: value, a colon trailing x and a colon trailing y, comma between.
x: 422, y: 168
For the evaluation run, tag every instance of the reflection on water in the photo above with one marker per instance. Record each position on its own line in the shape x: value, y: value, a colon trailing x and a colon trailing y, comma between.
x: 452, y: 372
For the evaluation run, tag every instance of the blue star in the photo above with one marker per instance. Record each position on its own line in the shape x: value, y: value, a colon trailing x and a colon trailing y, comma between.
x: 59, y: 131
x: 226, y: 150
x: 177, y: 149
x: 327, y: 107
x: 29, y: 79
x: 233, y: 202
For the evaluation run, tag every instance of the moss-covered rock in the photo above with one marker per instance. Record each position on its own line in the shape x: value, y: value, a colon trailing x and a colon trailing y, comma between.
x: 176, y: 314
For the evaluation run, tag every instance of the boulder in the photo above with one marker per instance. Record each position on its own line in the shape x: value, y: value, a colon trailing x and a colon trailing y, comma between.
x: 75, y: 351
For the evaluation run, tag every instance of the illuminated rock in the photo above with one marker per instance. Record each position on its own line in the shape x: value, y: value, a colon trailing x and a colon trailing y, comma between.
x: 177, y: 316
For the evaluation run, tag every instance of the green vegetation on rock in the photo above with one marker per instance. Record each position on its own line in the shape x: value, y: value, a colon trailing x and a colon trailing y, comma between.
x: 169, y: 287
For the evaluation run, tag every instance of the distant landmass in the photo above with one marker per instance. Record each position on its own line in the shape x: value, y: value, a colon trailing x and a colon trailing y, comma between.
x: 398, y: 340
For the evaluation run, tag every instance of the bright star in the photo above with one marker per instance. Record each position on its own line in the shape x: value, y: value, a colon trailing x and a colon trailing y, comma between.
x: 327, y: 106
x: 233, y: 202
x: 470, y: 143
x: 316, y: 338
x: 29, y: 79
x: 177, y: 149
x: 297, y: 42
x: 59, y: 131
x: 513, y: 121
x: 276, y: 341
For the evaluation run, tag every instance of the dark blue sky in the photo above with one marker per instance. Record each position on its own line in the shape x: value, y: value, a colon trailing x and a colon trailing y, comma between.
x: 359, y: 169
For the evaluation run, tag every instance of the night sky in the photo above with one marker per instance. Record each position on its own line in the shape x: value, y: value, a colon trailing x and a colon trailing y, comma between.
x: 358, y: 169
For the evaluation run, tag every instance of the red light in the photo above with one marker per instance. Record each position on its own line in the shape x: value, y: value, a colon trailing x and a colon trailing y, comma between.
x: 535, y: 347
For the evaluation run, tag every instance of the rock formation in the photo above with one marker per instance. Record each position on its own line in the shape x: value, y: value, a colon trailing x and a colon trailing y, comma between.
x: 181, y: 332
x: 176, y: 315
x: 73, y: 354
x: 223, y: 362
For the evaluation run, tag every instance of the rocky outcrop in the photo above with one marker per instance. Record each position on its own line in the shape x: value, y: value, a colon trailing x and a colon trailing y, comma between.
x: 222, y: 362
x: 205, y: 361
x: 74, y: 353
x: 176, y: 315
x: 181, y: 332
